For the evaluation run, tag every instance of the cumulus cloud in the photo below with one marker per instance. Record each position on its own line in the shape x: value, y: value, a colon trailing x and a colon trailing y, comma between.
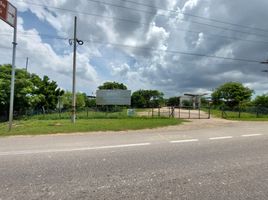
x: 144, y: 43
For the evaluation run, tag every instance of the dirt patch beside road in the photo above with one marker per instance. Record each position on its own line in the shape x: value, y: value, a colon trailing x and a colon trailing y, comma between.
x: 191, y: 124
x: 197, y: 124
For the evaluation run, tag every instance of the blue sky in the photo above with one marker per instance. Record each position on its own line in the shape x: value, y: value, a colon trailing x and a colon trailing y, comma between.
x: 141, y: 46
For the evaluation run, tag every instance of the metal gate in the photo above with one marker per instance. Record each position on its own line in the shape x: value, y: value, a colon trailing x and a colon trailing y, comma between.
x: 182, y: 112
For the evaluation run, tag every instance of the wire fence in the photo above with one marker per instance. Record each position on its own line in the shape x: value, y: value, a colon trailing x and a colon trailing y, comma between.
x: 244, y: 112
x: 81, y: 113
x: 185, y: 112
x: 113, y: 112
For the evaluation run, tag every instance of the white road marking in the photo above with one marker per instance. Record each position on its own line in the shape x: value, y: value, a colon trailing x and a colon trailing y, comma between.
x: 221, y: 138
x: 251, y: 135
x: 184, y: 141
x: 70, y: 150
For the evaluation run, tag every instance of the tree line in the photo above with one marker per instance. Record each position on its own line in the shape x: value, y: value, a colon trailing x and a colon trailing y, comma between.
x: 33, y: 93
x: 235, y: 95
x: 40, y: 94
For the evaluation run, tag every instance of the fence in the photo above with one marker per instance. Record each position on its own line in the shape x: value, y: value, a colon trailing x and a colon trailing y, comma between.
x: 116, y: 112
x: 244, y: 112
x: 83, y: 113
x: 182, y: 112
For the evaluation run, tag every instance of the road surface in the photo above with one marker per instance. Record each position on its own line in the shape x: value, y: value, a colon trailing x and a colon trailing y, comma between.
x: 209, y: 162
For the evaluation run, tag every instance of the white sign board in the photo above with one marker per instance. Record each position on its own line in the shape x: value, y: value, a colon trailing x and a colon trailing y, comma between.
x: 113, y: 97
x: 11, y: 15
x: 8, y: 12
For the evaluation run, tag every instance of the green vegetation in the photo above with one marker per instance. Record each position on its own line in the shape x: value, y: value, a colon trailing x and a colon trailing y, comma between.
x: 36, y: 127
x: 112, y: 86
x: 232, y: 94
x: 173, y: 101
x: 235, y: 101
x: 261, y: 101
x: 232, y: 115
x: 147, y: 99
x: 65, y: 101
x: 31, y: 91
x: 84, y: 114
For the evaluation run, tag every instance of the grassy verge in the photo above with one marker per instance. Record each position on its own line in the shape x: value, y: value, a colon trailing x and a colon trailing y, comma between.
x: 36, y: 127
x: 244, y: 116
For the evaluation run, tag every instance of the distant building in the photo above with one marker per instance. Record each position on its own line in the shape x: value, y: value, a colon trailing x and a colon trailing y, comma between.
x: 91, y: 97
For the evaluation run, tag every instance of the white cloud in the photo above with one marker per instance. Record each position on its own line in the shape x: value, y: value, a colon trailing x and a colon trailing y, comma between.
x: 141, y: 67
x: 45, y: 61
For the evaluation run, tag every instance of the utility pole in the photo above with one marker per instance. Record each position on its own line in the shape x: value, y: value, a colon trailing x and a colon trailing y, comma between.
x: 26, y: 65
x: 8, y: 13
x: 12, y: 87
x: 74, y: 42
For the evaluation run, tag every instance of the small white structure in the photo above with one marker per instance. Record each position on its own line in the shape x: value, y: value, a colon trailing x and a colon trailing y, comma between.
x: 195, y: 99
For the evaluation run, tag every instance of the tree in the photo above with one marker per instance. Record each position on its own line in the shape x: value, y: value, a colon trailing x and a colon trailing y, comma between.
x: 112, y: 86
x: 23, y: 94
x: 232, y: 94
x: 261, y: 101
x: 66, y: 100
x: 187, y: 103
x: 147, y: 99
x: 48, y: 93
x: 91, y: 103
x: 173, y: 101
x: 31, y: 92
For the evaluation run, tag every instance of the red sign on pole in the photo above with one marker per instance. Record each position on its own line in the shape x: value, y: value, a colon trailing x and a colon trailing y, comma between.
x: 3, y: 9
x: 8, y: 12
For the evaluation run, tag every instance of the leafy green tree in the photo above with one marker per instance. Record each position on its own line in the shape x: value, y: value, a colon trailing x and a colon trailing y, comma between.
x: 91, y: 103
x: 23, y: 94
x: 66, y: 100
x: 173, y: 101
x: 31, y: 92
x: 147, y: 99
x: 48, y: 92
x: 112, y: 86
x: 261, y: 101
x: 187, y: 103
x: 232, y: 94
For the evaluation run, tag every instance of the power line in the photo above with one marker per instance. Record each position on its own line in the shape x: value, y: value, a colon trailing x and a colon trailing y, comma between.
x: 200, y: 23
x: 196, y: 16
x: 169, y: 51
x: 136, y: 22
x: 177, y: 52
x: 48, y: 36
x: 45, y: 35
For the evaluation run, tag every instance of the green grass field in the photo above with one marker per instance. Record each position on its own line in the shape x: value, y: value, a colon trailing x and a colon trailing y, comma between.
x: 36, y: 127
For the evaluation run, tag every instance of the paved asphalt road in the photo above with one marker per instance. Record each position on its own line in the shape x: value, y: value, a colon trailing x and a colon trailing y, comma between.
x: 225, y: 162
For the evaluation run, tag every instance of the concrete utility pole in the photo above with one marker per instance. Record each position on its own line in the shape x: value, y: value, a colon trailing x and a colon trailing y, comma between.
x: 74, y: 74
x: 12, y: 87
x: 74, y: 42
x: 26, y: 65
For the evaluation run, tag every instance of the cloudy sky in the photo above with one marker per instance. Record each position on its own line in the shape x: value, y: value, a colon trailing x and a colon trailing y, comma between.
x: 174, y: 46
